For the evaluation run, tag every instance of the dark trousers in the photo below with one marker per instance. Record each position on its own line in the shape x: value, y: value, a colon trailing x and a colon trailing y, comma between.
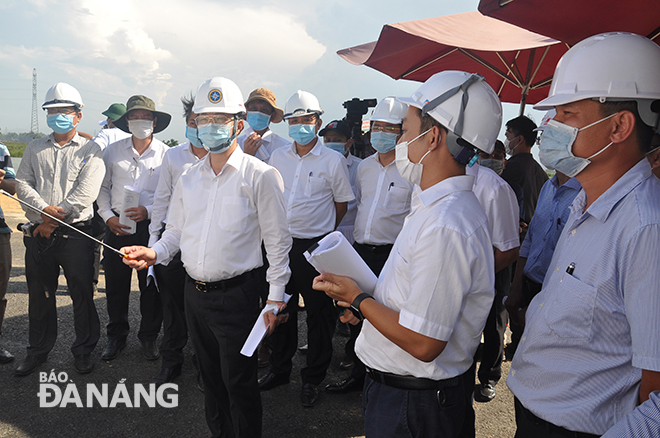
x: 529, y: 425
x: 392, y: 412
x: 375, y: 258
x: 171, y: 283
x: 43, y: 258
x: 118, y: 289
x: 98, y: 231
x: 5, y: 272
x: 321, y: 318
x: 219, y: 322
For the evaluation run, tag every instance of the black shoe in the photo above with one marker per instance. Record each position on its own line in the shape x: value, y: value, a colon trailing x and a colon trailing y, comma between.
x: 303, y: 349
x: 263, y: 355
x: 200, y: 382
x: 270, y: 381
x: 149, y: 350
x: 484, y: 393
x: 5, y: 356
x: 29, y: 365
x: 83, y: 363
x: 309, y: 395
x: 167, y: 374
x: 348, y: 385
x: 113, y: 349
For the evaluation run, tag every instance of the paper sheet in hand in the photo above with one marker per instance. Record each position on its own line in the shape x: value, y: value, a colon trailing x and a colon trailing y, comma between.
x: 131, y: 199
x: 334, y: 255
x: 259, y: 329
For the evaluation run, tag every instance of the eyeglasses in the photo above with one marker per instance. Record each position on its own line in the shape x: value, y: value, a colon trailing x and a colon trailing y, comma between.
x: 61, y: 110
x: 394, y: 129
x: 303, y: 120
x: 218, y: 120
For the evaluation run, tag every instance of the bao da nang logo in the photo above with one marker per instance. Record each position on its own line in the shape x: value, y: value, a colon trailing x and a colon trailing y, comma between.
x: 56, y: 390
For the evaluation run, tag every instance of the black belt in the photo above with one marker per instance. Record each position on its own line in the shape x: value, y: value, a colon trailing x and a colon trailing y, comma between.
x: 553, y: 428
x: 209, y: 286
x: 65, y: 231
x: 376, y: 249
x: 410, y: 382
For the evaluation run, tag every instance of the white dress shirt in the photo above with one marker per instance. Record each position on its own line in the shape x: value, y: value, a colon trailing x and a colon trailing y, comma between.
x: 312, y: 185
x: 383, y: 198
x: 271, y: 141
x: 347, y: 224
x: 107, y: 136
x: 125, y: 167
x: 218, y: 222
x: 176, y: 160
x: 439, y: 277
x: 499, y: 202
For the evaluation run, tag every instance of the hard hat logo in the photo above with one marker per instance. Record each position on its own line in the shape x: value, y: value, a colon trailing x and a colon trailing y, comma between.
x: 215, y: 96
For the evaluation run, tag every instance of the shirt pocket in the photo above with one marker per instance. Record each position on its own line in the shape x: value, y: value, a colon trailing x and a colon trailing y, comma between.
x: 316, y: 187
x: 234, y: 213
x: 570, y: 312
x: 397, y: 199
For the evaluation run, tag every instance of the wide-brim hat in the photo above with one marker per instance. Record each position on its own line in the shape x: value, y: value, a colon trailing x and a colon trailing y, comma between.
x: 115, y: 111
x: 143, y: 103
x: 269, y: 97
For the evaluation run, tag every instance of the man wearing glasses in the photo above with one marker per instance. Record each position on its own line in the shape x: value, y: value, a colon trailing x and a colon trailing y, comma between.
x: 133, y: 163
x: 60, y: 174
x: 316, y: 192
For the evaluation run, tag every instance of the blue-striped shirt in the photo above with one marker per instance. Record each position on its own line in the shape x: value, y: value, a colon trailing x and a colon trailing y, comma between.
x: 591, y: 330
x: 643, y: 422
x: 549, y: 219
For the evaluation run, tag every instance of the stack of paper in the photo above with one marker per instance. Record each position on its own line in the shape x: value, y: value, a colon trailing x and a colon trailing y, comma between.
x: 131, y: 200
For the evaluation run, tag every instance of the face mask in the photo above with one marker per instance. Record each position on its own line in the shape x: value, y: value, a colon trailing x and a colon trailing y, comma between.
x: 336, y: 146
x: 555, y: 147
x: 507, y: 146
x: 257, y: 120
x: 141, y: 128
x: 216, y: 138
x: 496, y: 166
x: 302, y: 134
x: 191, y: 134
x: 409, y: 171
x: 383, y: 141
x: 60, y: 123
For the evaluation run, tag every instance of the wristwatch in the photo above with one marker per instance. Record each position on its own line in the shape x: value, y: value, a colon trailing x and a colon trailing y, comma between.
x: 355, y: 305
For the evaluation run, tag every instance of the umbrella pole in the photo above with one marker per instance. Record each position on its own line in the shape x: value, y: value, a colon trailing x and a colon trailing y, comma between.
x: 523, y: 99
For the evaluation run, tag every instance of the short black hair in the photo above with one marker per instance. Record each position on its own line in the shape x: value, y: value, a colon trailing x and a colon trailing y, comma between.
x: 524, y: 126
x: 188, y: 103
x: 643, y: 131
x: 429, y: 122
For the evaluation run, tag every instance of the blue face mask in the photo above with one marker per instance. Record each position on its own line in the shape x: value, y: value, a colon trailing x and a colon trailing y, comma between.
x: 191, y: 134
x: 257, y: 120
x: 60, y: 123
x: 336, y: 146
x: 383, y: 141
x: 555, y: 149
x: 302, y: 134
x: 216, y: 138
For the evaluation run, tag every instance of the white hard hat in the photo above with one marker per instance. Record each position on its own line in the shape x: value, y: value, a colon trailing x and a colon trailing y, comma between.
x: 219, y: 95
x: 61, y: 95
x: 389, y: 110
x: 463, y: 103
x: 614, y: 66
x: 302, y: 103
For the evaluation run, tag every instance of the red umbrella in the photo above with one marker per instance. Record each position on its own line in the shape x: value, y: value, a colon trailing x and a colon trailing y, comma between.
x: 571, y: 21
x: 518, y: 64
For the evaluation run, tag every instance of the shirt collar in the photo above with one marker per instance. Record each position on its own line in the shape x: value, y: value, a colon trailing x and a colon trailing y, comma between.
x: 74, y: 140
x: 234, y: 160
x: 316, y: 150
x: 265, y: 137
x: 444, y: 188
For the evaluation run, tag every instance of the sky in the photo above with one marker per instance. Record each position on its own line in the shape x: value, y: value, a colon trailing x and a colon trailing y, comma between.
x: 164, y: 49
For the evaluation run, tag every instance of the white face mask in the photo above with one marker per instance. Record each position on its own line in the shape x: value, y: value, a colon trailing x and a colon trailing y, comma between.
x: 507, y: 146
x: 409, y: 171
x: 141, y: 128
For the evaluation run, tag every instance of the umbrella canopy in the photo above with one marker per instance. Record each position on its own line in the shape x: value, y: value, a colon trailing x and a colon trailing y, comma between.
x: 571, y: 21
x: 518, y: 64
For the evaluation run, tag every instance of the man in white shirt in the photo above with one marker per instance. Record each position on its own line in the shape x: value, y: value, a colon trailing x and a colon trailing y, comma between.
x: 424, y: 322
x: 316, y: 192
x: 171, y: 274
x: 337, y: 136
x: 257, y: 139
x: 131, y: 163
x: 221, y: 210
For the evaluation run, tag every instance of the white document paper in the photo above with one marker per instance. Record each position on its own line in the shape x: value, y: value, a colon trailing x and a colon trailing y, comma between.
x: 259, y: 329
x: 131, y: 200
x: 335, y: 255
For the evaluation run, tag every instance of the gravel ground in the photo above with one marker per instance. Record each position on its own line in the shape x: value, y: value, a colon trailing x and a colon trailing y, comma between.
x: 21, y: 416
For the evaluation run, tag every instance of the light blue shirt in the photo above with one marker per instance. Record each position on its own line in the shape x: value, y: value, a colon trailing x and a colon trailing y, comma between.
x: 589, y: 334
x: 547, y: 223
x: 643, y: 422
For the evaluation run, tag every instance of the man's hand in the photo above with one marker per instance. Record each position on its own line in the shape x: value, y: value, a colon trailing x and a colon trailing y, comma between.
x: 2, y: 175
x: 57, y: 212
x: 45, y: 229
x: 252, y: 143
x: 349, y: 317
x: 138, y: 257
x: 137, y: 214
x: 116, y: 228
x: 272, y: 320
x: 340, y: 288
